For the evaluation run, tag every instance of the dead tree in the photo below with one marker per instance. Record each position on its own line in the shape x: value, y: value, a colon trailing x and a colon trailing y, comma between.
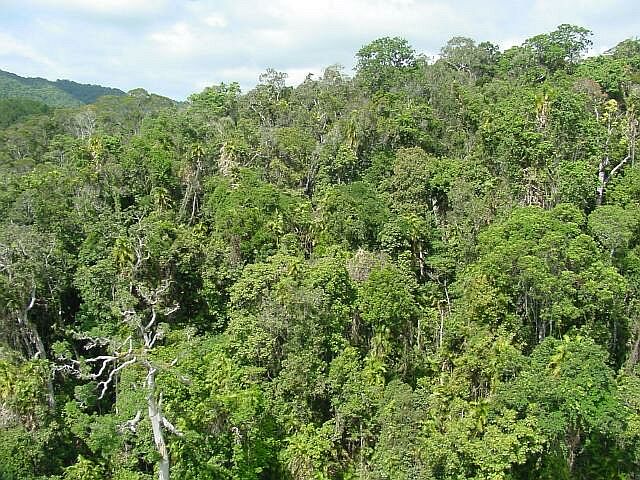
x: 628, y: 124
x: 146, y: 330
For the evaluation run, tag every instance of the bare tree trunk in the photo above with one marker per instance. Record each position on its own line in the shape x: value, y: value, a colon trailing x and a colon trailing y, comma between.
x: 603, y: 178
x: 602, y: 181
x: 631, y: 137
x: 634, y: 353
x: 421, y: 258
x: 33, y: 337
x: 155, y: 416
x: 41, y: 353
x: 574, y: 443
x: 441, y: 328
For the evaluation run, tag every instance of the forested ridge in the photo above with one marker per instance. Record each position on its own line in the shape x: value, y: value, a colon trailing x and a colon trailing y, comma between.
x: 427, y: 270
x: 61, y: 93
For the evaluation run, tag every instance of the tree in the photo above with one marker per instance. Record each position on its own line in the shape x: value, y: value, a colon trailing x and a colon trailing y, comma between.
x: 268, y: 100
x: 620, y: 134
x: 561, y: 48
x: 31, y: 278
x: 539, y: 275
x: 477, y: 61
x: 570, y: 389
x: 381, y: 63
x: 350, y: 215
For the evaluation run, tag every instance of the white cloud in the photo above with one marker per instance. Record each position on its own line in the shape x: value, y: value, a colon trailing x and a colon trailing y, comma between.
x: 105, y: 7
x: 507, y: 43
x: 326, y: 17
x: 177, y: 39
x: 295, y: 76
x: 215, y: 20
x: 272, y: 38
x: 244, y: 75
x: 53, y: 28
x: 559, y: 9
x: 10, y: 46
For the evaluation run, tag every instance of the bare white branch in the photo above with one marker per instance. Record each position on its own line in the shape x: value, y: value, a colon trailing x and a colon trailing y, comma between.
x: 106, y: 360
x: 153, y: 319
x: 72, y: 367
x: 93, y: 342
x: 169, y: 426
x: 236, y: 435
x: 32, y: 302
x: 132, y: 424
x: 156, y: 336
x: 619, y: 166
x: 105, y: 384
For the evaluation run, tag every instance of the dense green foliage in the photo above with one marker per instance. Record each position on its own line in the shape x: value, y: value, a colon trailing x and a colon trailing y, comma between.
x: 61, y: 93
x: 14, y: 109
x: 430, y: 270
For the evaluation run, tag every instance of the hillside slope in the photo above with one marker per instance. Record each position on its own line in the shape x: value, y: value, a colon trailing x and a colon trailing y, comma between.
x: 61, y: 93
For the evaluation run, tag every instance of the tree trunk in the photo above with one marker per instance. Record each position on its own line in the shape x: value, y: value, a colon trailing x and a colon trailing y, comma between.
x: 602, y: 180
x: 155, y: 416
x: 574, y: 443
x: 421, y: 259
x: 32, y: 338
x: 634, y: 354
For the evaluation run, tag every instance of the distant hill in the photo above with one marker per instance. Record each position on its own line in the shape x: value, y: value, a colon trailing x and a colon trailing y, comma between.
x: 61, y: 93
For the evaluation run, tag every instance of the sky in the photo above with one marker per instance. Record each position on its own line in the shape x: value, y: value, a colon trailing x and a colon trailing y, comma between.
x: 178, y: 47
